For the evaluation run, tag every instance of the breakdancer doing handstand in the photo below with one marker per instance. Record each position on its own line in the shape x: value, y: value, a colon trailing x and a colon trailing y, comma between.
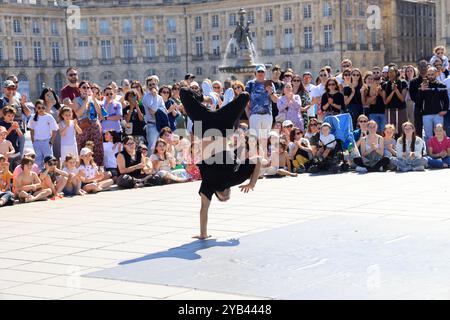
x: 220, y: 168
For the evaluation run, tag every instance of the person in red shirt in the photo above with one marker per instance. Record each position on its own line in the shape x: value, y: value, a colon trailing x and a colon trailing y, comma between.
x: 70, y: 91
x: 439, y: 149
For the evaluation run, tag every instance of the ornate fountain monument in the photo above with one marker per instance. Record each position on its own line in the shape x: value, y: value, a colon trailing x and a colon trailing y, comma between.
x: 240, y: 56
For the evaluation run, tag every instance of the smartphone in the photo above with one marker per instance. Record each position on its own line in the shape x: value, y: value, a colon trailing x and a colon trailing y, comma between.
x: 268, y: 83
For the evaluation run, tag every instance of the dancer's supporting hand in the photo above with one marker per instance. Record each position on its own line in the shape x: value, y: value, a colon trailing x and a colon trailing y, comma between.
x: 247, y: 187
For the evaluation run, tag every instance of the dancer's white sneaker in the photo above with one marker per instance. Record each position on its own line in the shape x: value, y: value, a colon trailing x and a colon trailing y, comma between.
x: 228, y: 96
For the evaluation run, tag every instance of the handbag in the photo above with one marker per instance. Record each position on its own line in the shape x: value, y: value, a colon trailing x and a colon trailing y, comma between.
x: 84, y: 123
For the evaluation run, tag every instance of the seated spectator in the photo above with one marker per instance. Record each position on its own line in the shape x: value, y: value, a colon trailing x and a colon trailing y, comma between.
x: 410, y: 150
x: 53, y: 178
x: 279, y: 164
x: 35, y: 168
x: 6, y: 196
x: 111, y: 147
x: 166, y: 135
x: 312, y: 128
x: 323, y: 145
x: 300, y: 151
x: 73, y: 185
x: 390, y: 145
x: 28, y: 185
x: 92, y: 179
x: 163, y: 163
x: 372, y: 151
x: 439, y: 149
x: 6, y: 147
x: 287, y: 129
x: 133, y: 167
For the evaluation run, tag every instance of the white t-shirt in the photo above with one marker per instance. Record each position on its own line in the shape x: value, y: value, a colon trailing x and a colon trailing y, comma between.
x: 71, y: 171
x: 327, y: 139
x: 109, y: 154
x: 43, y: 127
x: 89, y: 171
x: 69, y: 139
x: 165, y: 166
x: 311, y: 112
x: 316, y: 92
x: 340, y: 79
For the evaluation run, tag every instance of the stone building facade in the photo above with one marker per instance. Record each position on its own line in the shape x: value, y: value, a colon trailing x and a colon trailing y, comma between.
x: 443, y: 22
x: 118, y: 39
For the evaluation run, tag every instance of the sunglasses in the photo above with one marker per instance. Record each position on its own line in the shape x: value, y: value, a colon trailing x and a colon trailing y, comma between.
x: 356, y: 75
x: 323, y: 75
x: 109, y: 94
x: 298, y: 132
x: 51, y: 163
x: 40, y: 108
x: 165, y: 92
x: 73, y: 75
x: 11, y: 89
x: 195, y: 88
x: 296, y: 80
x: 438, y: 65
x: 144, y: 150
x: 345, y: 66
x: 313, y: 125
x: 131, y: 143
x: 347, y: 74
x: 260, y: 72
x: 236, y: 88
x: 332, y: 85
x: 85, y: 88
x: 175, y: 89
x: 363, y: 121
x: 216, y: 87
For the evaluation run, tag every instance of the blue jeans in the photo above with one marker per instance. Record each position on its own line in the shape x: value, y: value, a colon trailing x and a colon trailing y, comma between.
x: 380, y: 119
x: 42, y: 148
x: 429, y: 122
x: 410, y: 165
x: 152, y: 136
x: 438, y: 163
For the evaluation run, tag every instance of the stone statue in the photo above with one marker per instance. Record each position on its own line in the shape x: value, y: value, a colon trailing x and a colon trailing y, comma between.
x: 242, y: 31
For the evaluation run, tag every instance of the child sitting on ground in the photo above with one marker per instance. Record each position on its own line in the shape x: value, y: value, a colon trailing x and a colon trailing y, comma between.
x: 28, y: 185
x: 280, y: 163
x: 73, y: 186
x: 52, y: 177
x: 6, y: 196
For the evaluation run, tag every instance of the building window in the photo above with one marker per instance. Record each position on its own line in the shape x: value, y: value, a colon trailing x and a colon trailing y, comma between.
x: 55, y: 51
x: 150, y: 48
x: 58, y: 79
x: 17, y: 26
x: 83, y: 26
x: 308, y: 64
x: 199, y: 46
x: 328, y: 35
x: 251, y: 17
x: 288, y: 65
x: 327, y: 10
x: 198, y: 23
x: 269, y: 39
x: 128, y: 48
x: 373, y: 37
x: 83, y: 47
x: 40, y: 82
x: 149, y: 25
x: 308, y: 33
x: 172, y: 47
x: 307, y: 11
x: 216, y: 45
x: 349, y: 34
x: 215, y: 21
x: 362, y: 34
x: 198, y: 71
x: 362, y: 12
x: 288, y: 39
x: 85, y: 76
x: 2, y: 57
x: 348, y: 8
x: 36, y: 28
x: 104, y: 26
x: 106, y: 49
x: 171, y: 25
x: 269, y: 15
x: 37, y: 50
x: 232, y: 19
x: 287, y: 14
x: 172, y: 74
x: 54, y: 28
x: 127, y: 26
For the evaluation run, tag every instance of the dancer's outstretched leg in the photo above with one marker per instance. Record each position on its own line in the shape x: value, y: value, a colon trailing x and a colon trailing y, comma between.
x: 229, y: 113
x: 194, y: 109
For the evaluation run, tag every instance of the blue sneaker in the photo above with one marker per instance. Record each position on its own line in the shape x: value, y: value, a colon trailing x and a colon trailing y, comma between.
x: 228, y: 96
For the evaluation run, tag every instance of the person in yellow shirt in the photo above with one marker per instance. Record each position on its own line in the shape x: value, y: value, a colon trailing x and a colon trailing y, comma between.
x: 6, y: 196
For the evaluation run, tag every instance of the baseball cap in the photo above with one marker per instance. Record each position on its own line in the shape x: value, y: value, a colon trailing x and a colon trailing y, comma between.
x: 189, y: 76
x: 326, y: 124
x: 307, y: 73
x: 287, y: 123
x: 260, y: 67
x: 85, y: 151
x: 47, y: 159
x: 8, y: 83
x: 385, y: 69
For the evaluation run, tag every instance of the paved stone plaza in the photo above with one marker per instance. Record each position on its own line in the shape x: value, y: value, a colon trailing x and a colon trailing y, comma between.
x: 47, y: 249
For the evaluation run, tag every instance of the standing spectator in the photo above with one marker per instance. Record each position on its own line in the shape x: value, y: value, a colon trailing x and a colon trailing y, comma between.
x: 345, y: 64
x: 290, y: 106
x: 13, y: 132
x: 68, y: 129
x: 180, y: 120
x: 433, y: 100
x: 53, y: 107
x: 319, y: 90
x: 439, y: 149
x: 172, y: 112
x: 112, y: 121
x: 238, y: 87
x: 111, y: 147
x: 410, y: 150
x: 72, y: 89
x: 152, y: 102
x: 134, y: 115
x: 43, y: 131
x: 441, y: 73
x: 439, y: 52
x: 414, y: 86
x: 332, y: 102
x: 371, y: 98
x: 352, y: 93
x: 276, y: 73
x: 88, y: 111
x: 189, y: 77
x: 299, y: 88
x: 410, y: 74
x: 307, y: 78
x: 259, y: 109
x: 447, y: 115
x: 21, y: 110
x: 394, y: 94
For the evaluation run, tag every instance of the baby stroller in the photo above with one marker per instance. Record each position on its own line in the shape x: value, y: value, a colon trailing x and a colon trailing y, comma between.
x: 342, y: 129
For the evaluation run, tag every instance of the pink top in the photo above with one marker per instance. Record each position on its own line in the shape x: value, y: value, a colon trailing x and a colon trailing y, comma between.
x: 437, y: 146
x: 18, y: 170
